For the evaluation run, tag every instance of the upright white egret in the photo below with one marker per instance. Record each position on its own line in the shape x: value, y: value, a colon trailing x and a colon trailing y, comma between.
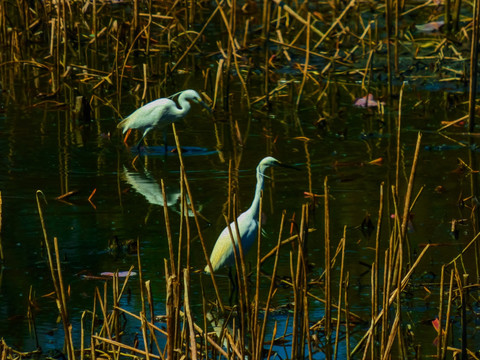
x: 223, y: 254
x: 161, y: 112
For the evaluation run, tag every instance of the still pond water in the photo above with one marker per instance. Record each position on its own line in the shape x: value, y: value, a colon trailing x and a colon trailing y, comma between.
x: 42, y: 149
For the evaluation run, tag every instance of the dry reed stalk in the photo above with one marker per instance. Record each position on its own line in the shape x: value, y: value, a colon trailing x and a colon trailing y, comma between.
x: 266, y: 33
x: 473, y: 67
x: 169, y: 233
x: 255, y: 330
x: 93, y: 327
x: 170, y: 313
x: 265, y: 18
x: 391, y: 297
x: 386, y: 292
x: 399, y: 126
x: 3, y: 23
x: 32, y: 327
x: 42, y: 220
x: 396, y: 35
x: 188, y: 313
x: 340, y: 292
x: 218, y: 80
x: 272, y: 341
x: 316, y: 298
x: 199, y: 34
x: 231, y: 49
x: 245, y: 310
x: 375, y: 284
x: 298, y: 281
x: 57, y: 281
x: 92, y: 347
x: 114, y: 314
x: 270, y: 292
x: 398, y: 299
x: 145, y: 82
x: 2, y: 257
x: 335, y: 23
x: 141, y: 282
x: 440, y: 312
x: 366, y: 31
x: 103, y: 306
x: 304, y: 330
x: 328, y: 281
x: 148, y: 289
x: 134, y: 24
x: 473, y: 241
x: 183, y: 220
x: 283, y: 242
x: 456, y: 20
x: 195, y: 216
x: 62, y: 304
x: 150, y: 324
x: 94, y: 26
x: 393, y: 333
x: 123, y: 346
x: 284, y: 50
x: 372, y: 340
x: 295, y: 302
x: 297, y: 17
x: 347, y: 318
x: 82, y: 335
x: 307, y: 59
x: 408, y: 195
x: 388, y: 37
x: 447, y: 317
x: 447, y: 16
x: 463, y: 290
x: 63, y: 24
x: 144, y: 334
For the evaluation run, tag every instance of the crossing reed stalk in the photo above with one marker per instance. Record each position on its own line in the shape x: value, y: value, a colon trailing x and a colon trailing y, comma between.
x: 197, y: 223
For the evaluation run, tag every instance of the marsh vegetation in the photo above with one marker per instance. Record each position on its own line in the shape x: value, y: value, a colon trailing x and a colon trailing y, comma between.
x: 371, y: 251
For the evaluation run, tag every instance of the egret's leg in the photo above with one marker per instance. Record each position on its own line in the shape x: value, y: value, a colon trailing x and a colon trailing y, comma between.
x: 141, y: 139
x: 233, y: 295
x: 165, y: 140
x: 126, y: 136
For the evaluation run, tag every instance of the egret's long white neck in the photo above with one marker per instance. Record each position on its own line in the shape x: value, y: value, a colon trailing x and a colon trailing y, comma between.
x: 184, y: 106
x: 255, y: 207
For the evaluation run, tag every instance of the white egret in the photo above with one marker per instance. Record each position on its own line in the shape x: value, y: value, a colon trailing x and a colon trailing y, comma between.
x: 223, y: 254
x: 161, y: 112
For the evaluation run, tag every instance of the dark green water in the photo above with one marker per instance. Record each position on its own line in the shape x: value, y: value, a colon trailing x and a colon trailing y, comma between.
x: 43, y: 149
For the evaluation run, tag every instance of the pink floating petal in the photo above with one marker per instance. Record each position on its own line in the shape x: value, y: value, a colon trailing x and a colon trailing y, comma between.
x: 430, y: 27
x: 366, y: 101
x: 121, y: 274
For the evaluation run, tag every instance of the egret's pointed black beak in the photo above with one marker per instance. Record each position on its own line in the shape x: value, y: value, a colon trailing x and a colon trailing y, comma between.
x: 203, y: 104
x: 288, y: 166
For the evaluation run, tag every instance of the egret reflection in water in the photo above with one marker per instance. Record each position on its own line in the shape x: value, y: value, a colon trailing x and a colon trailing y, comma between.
x: 146, y: 185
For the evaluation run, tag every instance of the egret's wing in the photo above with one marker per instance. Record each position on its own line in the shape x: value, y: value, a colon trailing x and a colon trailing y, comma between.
x: 222, y: 253
x: 149, y: 115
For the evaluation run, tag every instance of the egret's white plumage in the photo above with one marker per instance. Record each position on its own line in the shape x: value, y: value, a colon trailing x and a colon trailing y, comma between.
x: 223, y: 254
x: 161, y: 112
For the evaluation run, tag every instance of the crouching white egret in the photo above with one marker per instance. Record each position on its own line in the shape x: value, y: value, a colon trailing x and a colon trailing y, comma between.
x: 223, y: 254
x: 161, y: 112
